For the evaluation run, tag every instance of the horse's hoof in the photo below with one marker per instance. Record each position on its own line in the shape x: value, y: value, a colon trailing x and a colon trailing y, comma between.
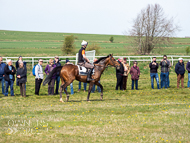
x: 61, y: 100
x: 88, y: 100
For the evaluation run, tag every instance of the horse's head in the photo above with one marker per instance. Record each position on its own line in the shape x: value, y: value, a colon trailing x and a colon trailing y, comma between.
x: 113, y: 62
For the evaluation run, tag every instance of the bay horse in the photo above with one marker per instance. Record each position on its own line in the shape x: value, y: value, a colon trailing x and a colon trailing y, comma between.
x: 70, y: 72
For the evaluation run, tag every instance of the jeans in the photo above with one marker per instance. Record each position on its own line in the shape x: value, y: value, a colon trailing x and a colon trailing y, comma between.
x: 168, y: 80
x: 94, y: 88
x: 164, y: 79
x: 136, y: 84
x: 71, y: 86
x: 57, y: 80
x: 9, y: 83
x: 154, y: 75
x: 188, y: 82
x: 3, y: 84
x: 84, y: 84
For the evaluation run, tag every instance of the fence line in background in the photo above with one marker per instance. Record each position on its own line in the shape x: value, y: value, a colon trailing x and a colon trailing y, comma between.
x: 172, y: 58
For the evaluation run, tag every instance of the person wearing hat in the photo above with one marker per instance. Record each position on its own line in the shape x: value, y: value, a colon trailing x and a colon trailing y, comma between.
x: 47, y: 70
x: 126, y: 72
x: 84, y: 61
x: 180, y: 71
x: 2, y: 74
x: 9, y: 77
x: 153, y: 72
x: 57, y: 78
x: 135, y: 73
x: 71, y: 85
x: 188, y: 69
x: 39, y: 76
x: 164, y: 64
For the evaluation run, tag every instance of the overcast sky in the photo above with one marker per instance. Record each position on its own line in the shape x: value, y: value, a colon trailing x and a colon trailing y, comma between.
x: 85, y: 16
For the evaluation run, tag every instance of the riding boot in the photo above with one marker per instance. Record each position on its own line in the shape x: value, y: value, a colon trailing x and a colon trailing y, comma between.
x: 89, y: 75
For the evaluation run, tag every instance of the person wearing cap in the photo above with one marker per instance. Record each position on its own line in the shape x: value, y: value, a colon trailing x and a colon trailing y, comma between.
x: 22, y: 78
x: 164, y: 64
x: 39, y: 76
x: 180, y: 71
x: 9, y: 77
x: 126, y: 72
x: 135, y: 73
x: 84, y: 61
x: 71, y: 85
x: 153, y: 72
x: 47, y: 70
x: 2, y: 74
x: 57, y: 79
x: 119, y: 74
x: 188, y: 69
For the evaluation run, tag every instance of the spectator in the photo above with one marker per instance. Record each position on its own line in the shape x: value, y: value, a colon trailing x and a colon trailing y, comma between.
x: 180, y: 71
x: 17, y: 62
x: 94, y: 86
x: 126, y: 72
x: 164, y: 71
x: 135, y: 73
x: 2, y: 74
x: 39, y: 76
x: 57, y: 78
x: 188, y: 69
x: 9, y: 77
x: 22, y: 78
x: 153, y: 72
x: 168, y: 71
x: 119, y: 74
x: 71, y: 85
x: 47, y: 70
x: 84, y: 85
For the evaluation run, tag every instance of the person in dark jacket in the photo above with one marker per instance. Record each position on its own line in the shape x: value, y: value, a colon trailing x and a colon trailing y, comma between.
x: 153, y: 72
x: 17, y: 66
x: 57, y: 79
x: 188, y: 69
x: 119, y: 75
x: 2, y: 74
x: 47, y: 70
x: 22, y: 78
x: 164, y: 64
x: 9, y: 77
x: 135, y: 73
x: 180, y: 71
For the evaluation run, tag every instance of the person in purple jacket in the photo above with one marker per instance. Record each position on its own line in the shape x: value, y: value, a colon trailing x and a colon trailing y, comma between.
x: 135, y: 73
x: 47, y: 70
x: 188, y: 69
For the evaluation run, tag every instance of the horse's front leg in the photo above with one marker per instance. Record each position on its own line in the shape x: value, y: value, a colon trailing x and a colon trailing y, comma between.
x: 89, y: 90
x: 98, y: 84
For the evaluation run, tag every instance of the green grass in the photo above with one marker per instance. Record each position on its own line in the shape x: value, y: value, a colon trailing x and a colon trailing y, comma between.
x: 144, y: 115
x: 48, y: 44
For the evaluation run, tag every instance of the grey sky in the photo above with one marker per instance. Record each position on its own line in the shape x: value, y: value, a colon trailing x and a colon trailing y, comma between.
x: 85, y: 16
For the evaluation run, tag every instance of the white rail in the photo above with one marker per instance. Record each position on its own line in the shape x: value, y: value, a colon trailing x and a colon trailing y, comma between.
x: 33, y: 60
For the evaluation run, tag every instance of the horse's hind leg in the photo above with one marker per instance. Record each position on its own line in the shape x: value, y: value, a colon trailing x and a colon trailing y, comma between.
x: 98, y: 84
x: 89, y: 90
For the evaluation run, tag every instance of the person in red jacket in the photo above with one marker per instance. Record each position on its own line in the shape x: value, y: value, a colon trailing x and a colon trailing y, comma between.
x: 135, y: 73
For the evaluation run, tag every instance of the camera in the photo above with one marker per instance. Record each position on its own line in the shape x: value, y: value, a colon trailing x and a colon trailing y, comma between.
x: 59, y: 60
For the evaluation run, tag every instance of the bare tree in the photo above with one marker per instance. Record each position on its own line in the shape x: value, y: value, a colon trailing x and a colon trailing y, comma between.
x: 152, y: 29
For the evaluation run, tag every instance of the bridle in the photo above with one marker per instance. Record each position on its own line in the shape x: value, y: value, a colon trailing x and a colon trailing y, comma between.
x: 113, y: 62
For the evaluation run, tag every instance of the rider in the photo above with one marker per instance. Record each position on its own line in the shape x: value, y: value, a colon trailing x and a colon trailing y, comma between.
x: 84, y: 61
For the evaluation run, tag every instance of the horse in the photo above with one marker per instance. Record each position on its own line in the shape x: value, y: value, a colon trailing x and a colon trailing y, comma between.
x: 70, y: 72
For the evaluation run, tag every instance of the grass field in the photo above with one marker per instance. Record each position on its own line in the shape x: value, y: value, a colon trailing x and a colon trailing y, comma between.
x: 48, y: 44
x: 144, y: 115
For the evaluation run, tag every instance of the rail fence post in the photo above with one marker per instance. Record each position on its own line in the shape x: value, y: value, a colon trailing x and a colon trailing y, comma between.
x: 129, y: 60
x: 172, y: 60
x: 32, y: 62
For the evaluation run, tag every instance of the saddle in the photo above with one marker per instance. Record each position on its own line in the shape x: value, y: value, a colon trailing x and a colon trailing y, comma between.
x: 83, y: 70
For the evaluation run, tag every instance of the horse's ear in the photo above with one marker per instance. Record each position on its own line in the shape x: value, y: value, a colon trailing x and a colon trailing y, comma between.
x: 112, y: 54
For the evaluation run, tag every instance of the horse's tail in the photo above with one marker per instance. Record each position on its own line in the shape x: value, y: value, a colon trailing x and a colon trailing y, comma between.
x: 49, y: 77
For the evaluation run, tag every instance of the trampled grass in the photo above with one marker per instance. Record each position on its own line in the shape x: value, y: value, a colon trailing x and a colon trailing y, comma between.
x: 144, y: 115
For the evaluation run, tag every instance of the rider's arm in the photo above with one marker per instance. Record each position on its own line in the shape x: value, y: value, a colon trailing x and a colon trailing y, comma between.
x: 85, y: 58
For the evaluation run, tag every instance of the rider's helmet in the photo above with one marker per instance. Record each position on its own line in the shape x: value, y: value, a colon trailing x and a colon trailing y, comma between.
x: 84, y: 43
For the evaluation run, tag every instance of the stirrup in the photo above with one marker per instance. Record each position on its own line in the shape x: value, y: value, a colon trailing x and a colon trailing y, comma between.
x: 90, y: 79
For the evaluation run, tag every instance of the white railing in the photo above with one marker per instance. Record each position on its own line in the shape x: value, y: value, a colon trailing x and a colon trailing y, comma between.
x: 33, y: 60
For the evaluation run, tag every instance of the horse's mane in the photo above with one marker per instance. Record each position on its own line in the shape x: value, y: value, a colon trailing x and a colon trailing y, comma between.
x: 102, y: 58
